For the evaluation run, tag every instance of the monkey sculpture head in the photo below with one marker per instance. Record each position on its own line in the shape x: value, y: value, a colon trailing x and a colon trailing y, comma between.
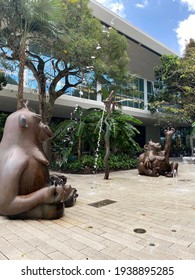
x: 25, y: 129
x: 152, y: 146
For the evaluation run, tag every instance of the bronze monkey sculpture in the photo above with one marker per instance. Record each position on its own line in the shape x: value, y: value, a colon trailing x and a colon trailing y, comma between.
x: 154, y: 161
x: 26, y: 190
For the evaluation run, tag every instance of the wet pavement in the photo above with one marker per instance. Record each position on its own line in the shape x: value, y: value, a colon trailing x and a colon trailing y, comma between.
x: 126, y: 217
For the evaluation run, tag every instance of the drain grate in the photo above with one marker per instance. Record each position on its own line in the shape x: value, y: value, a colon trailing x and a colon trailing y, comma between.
x: 139, y: 230
x: 102, y: 203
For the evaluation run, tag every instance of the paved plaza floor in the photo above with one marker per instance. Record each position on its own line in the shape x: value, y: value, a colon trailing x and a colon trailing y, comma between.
x: 162, y: 209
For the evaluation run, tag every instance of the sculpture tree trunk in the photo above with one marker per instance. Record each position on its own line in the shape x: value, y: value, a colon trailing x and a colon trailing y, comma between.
x: 107, y: 146
x: 21, y: 76
x: 109, y: 107
x: 45, y: 110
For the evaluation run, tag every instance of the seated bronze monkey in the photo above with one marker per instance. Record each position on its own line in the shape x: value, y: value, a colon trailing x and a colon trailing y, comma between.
x: 155, y: 161
x: 26, y: 190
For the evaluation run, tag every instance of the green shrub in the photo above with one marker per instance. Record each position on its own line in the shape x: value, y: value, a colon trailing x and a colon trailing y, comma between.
x: 88, y: 164
x: 3, y: 118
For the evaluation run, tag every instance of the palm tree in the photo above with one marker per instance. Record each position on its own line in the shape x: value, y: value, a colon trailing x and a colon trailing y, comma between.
x: 23, y: 22
x: 113, y: 121
x: 101, y: 131
x: 72, y: 131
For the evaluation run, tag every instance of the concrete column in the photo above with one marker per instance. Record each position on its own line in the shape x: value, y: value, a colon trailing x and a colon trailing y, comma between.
x: 145, y: 95
x: 98, y: 90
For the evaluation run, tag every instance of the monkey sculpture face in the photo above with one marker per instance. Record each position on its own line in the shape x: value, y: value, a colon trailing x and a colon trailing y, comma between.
x: 154, y: 146
x: 33, y: 124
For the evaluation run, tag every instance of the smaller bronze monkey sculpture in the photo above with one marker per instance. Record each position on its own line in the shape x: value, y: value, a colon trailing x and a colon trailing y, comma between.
x: 155, y: 161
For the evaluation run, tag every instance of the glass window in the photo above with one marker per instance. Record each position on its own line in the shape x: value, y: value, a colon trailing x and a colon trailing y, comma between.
x: 141, y: 85
x: 149, y: 87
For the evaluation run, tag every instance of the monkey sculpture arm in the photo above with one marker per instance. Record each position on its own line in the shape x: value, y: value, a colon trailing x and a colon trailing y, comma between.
x: 10, y: 202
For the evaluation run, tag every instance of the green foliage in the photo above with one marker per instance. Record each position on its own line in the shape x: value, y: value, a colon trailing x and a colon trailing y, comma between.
x: 86, y: 164
x: 122, y: 132
x: 69, y: 42
x: 80, y: 135
x: 24, y: 22
x: 3, y: 118
x: 3, y: 81
x: 174, y: 98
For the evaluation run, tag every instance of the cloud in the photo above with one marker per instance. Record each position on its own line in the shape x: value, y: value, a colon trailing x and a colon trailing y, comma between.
x: 115, y: 6
x: 142, y: 5
x: 185, y: 31
x: 190, y: 4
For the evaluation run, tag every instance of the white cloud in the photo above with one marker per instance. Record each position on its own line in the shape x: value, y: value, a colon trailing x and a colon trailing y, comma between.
x: 142, y: 5
x: 185, y: 31
x: 190, y: 4
x: 115, y: 6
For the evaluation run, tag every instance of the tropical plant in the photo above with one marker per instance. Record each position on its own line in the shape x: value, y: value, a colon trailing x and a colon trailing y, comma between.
x: 71, y: 132
x: 21, y: 23
x: 87, y: 130
x: 174, y: 98
x: 110, y: 122
x: 86, y: 164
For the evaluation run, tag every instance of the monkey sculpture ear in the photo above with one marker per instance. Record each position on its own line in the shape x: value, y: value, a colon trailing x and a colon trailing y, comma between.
x: 22, y: 121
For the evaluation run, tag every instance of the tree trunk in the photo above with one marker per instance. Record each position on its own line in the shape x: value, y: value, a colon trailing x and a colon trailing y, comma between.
x: 79, y: 148
x: 109, y: 107
x: 107, y: 154
x: 106, y: 164
x: 21, y: 77
x: 46, y: 115
x: 42, y: 106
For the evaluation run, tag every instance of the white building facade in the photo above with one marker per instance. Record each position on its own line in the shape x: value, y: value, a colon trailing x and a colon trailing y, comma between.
x: 144, y: 53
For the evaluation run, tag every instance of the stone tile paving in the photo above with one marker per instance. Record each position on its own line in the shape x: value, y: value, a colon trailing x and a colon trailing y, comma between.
x: 163, y: 207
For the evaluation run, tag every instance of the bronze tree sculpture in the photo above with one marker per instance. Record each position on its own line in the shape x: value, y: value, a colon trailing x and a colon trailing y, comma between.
x: 155, y: 161
x: 26, y: 189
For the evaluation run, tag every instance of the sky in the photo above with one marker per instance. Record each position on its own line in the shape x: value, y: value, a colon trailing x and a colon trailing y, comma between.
x: 170, y: 22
